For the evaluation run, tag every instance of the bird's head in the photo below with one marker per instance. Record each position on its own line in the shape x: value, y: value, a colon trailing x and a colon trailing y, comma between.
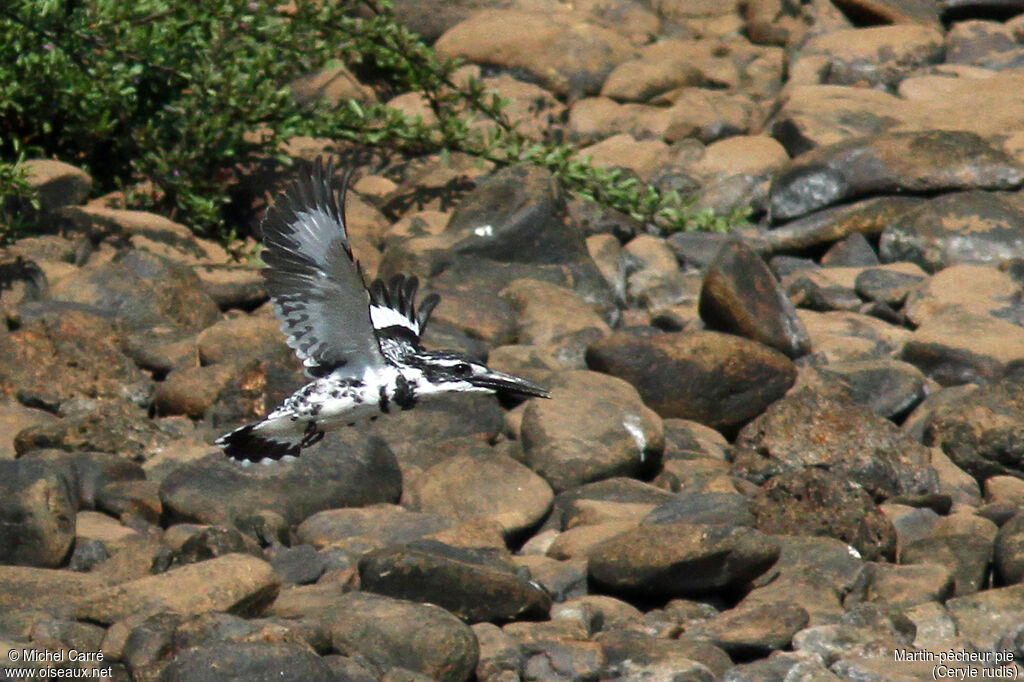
x: 454, y: 372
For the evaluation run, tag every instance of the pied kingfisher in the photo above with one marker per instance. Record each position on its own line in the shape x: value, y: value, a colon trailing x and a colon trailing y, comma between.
x: 360, y: 345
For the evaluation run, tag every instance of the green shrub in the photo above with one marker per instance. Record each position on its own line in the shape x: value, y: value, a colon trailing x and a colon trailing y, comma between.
x: 171, y: 92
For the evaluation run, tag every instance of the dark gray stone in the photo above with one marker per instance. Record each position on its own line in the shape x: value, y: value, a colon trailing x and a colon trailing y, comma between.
x: 518, y: 215
x: 852, y: 251
x: 681, y: 559
x: 717, y: 379
x: 341, y: 471
x: 248, y: 661
x: 741, y: 296
x: 474, y: 584
x: 918, y: 161
x: 730, y: 509
x: 975, y: 227
x: 37, y: 513
x: 393, y: 633
x: 809, y: 429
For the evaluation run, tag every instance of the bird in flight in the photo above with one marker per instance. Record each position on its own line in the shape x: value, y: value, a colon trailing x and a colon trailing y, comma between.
x: 360, y: 345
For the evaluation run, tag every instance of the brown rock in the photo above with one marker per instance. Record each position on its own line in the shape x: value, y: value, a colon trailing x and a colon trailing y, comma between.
x: 480, y: 314
x: 334, y: 84
x: 13, y: 419
x: 808, y: 429
x: 708, y: 115
x: 751, y: 154
x: 532, y: 109
x: 838, y: 336
x: 895, y: 11
x: 474, y: 584
x: 377, y: 628
x: 146, y: 231
x: 819, y: 115
x: 593, y: 427
x: 962, y: 543
x: 989, y: 44
x: 961, y: 228
x: 890, y: 163
x: 482, y: 484
x: 974, y: 288
x: 193, y: 390
x: 959, y: 346
x: 817, y: 502
x: 82, y: 349
x: 979, y: 430
x: 371, y: 526
x: 56, y: 183
x: 877, y: 55
x: 642, y: 157
x: 579, y: 541
x: 984, y: 618
x: 23, y: 588
x: 566, y: 54
x: 247, y: 337
x: 868, y: 217
x: 741, y: 296
x: 237, y: 583
x: 554, y: 316
x: 639, y: 80
x: 906, y: 586
x: 812, y: 572
x: 719, y: 380
x: 595, y: 118
x: 757, y: 629
x: 679, y: 559
x: 144, y: 292
x: 232, y: 286
x: 37, y: 513
x: 100, y: 426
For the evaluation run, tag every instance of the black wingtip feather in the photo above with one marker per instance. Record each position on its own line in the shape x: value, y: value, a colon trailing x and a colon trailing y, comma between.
x: 245, y: 444
x: 399, y: 294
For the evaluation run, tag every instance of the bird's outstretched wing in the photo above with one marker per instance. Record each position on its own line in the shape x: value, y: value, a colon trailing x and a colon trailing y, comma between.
x: 393, y: 305
x: 315, y: 284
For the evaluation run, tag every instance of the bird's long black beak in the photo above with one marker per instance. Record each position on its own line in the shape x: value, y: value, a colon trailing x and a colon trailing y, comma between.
x: 510, y: 384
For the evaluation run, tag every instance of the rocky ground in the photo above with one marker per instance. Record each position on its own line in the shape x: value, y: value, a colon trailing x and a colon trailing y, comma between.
x: 794, y: 452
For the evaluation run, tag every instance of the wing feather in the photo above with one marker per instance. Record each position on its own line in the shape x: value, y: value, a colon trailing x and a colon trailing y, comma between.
x: 314, y: 282
x: 394, y: 305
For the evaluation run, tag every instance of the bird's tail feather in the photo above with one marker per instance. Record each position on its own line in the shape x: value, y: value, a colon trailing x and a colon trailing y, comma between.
x: 249, y: 444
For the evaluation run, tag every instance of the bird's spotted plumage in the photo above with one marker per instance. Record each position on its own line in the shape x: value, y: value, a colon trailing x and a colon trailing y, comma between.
x: 361, y: 345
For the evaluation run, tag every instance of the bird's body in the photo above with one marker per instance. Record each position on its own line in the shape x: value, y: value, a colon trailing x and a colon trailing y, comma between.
x: 361, y: 345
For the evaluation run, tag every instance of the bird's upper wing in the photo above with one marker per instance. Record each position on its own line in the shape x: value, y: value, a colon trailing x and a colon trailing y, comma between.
x: 315, y: 284
x: 393, y: 306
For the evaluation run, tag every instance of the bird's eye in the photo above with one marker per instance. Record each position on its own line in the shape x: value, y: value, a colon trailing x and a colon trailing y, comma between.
x: 462, y: 369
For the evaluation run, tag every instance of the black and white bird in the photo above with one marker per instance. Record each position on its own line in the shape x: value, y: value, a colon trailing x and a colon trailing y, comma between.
x: 361, y: 345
